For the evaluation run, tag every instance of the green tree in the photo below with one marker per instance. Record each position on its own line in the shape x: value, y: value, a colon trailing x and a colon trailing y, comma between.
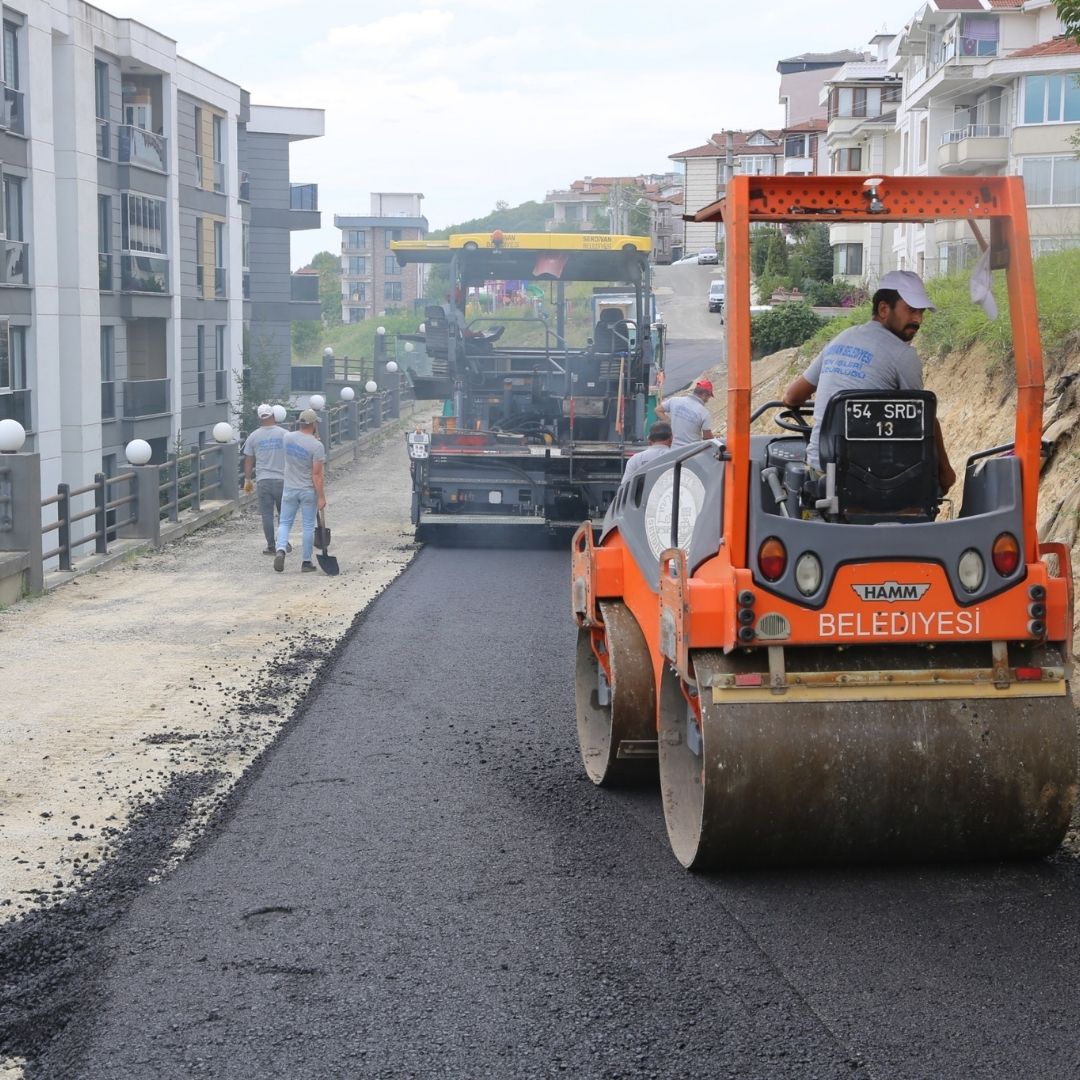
x: 776, y: 255
x: 527, y: 217
x: 306, y: 337
x: 811, y: 257
x: 1069, y: 13
x: 760, y: 239
x: 329, y: 266
x: 255, y: 380
x: 783, y: 327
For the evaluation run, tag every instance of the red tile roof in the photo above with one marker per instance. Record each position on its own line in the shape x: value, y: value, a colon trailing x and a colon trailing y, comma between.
x: 958, y: 5
x: 1014, y: 4
x: 1059, y: 46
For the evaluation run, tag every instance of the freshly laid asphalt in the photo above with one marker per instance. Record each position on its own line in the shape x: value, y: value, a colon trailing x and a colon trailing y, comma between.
x: 419, y: 881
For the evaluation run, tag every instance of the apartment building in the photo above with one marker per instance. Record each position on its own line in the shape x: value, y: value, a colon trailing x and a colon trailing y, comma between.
x: 372, y: 282
x: 988, y: 88
x: 126, y: 229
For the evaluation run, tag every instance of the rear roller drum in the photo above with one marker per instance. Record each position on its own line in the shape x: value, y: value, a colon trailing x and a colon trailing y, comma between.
x: 616, y: 700
x: 783, y: 781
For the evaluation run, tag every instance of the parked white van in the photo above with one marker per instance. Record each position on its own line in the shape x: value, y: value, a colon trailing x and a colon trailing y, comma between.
x: 717, y: 292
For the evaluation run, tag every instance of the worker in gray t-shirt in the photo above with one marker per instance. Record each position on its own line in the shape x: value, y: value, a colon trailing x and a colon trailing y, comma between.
x: 304, y: 493
x: 687, y: 414
x: 659, y: 443
x: 265, y: 451
x: 873, y: 356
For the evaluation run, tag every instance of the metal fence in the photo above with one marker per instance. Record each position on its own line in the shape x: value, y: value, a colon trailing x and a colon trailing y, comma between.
x: 105, y: 503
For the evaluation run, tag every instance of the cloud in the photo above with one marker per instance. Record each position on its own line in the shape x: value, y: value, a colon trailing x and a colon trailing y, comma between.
x: 393, y: 31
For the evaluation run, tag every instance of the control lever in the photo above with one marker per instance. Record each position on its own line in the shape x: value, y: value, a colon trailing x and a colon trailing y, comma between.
x: 771, y: 476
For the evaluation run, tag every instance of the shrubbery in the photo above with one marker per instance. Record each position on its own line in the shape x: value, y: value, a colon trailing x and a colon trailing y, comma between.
x: 783, y: 327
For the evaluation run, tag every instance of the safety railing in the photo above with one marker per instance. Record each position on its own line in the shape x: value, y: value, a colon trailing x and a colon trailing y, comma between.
x: 106, y: 502
x: 187, y: 479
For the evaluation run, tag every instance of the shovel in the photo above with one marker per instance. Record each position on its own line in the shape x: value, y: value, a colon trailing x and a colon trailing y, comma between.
x: 328, y: 563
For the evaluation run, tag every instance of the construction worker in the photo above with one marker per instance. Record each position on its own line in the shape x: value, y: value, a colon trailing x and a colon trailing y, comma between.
x: 659, y: 441
x: 876, y: 355
x: 687, y: 414
x: 265, y: 450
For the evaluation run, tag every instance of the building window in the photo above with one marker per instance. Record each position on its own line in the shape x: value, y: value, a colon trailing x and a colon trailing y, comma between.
x: 101, y: 90
x: 1051, y: 181
x: 847, y: 159
x: 390, y: 235
x: 390, y: 265
x: 358, y: 265
x: 221, y: 388
x: 108, y: 372
x: 1051, y: 99
x: 847, y: 260
x: 357, y: 292
x: 219, y: 259
x: 392, y: 290
x: 143, y: 223
x: 13, y: 207
x: 104, y: 230
x: 979, y: 35
x: 11, y: 55
x: 357, y: 315
x: 356, y: 239
x: 18, y: 356
x: 219, y: 151
x: 200, y: 363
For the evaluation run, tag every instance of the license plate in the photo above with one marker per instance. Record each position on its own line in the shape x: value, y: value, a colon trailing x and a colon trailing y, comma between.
x: 879, y: 419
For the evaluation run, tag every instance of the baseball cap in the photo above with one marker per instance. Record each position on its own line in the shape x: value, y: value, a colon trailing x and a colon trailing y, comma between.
x: 706, y: 384
x: 910, y: 287
x: 265, y: 411
x: 308, y: 417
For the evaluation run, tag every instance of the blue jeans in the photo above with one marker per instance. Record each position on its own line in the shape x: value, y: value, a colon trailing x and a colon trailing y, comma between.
x: 304, y: 500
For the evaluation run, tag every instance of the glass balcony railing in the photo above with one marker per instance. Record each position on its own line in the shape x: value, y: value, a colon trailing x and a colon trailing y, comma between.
x: 145, y: 397
x: 15, y: 405
x: 144, y: 273
x: 304, y: 287
x: 221, y: 385
x: 104, y: 139
x: 304, y: 196
x: 219, y: 175
x: 108, y: 401
x: 220, y: 275
x: 104, y: 271
x: 974, y: 131
x: 145, y: 148
x: 245, y: 187
x: 15, y: 267
x: 14, y: 114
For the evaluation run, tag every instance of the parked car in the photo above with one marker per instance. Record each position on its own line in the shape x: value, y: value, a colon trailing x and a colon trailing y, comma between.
x: 708, y: 256
x: 717, y: 293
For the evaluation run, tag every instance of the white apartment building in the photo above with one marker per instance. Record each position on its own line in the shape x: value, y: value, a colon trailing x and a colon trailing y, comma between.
x: 125, y: 284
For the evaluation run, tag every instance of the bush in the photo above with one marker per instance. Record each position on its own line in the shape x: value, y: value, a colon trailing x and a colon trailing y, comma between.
x: 783, y: 327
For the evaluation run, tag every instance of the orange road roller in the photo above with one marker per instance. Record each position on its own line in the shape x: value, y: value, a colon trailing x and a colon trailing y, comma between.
x: 815, y: 662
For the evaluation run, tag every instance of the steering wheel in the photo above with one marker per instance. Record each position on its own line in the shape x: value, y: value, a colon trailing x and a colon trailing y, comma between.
x: 794, y: 420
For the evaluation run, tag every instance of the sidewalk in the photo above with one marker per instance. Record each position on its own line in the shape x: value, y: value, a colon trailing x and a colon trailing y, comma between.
x: 174, y: 662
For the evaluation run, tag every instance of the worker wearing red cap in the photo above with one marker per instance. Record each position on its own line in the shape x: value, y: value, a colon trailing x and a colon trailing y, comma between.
x: 687, y: 414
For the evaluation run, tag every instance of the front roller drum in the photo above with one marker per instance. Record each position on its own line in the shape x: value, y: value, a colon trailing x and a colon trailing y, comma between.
x: 616, y: 700
x: 776, y: 782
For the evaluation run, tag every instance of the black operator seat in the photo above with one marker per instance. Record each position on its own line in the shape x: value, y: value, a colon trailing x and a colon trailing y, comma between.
x: 605, y: 339
x: 879, y: 457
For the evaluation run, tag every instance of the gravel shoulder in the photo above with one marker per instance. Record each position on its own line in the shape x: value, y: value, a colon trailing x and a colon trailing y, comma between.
x: 187, y: 660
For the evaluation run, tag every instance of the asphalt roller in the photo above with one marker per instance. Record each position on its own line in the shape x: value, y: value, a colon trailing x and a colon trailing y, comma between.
x: 840, y: 674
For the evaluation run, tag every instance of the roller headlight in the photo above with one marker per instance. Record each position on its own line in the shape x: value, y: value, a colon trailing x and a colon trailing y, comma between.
x: 971, y: 570
x: 808, y: 573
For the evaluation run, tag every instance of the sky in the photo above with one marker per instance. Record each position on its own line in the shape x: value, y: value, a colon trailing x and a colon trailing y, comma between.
x: 475, y: 101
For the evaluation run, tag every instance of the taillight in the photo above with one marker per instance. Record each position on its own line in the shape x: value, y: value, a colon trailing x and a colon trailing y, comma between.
x: 1005, y: 554
x: 772, y: 559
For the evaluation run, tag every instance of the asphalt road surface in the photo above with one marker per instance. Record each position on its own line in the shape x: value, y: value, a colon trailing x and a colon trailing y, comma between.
x: 695, y: 335
x: 420, y: 882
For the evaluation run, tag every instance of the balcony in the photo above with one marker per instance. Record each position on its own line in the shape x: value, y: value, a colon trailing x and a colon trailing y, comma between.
x: 143, y: 148
x: 15, y: 405
x: 105, y: 271
x: 245, y: 187
x: 219, y: 176
x: 220, y: 275
x: 306, y: 378
x: 304, y: 288
x: 104, y: 140
x: 798, y: 166
x: 108, y: 401
x: 144, y: 273
x: 145, y: 397
x: 973, y: 148
x: 221, y: 385
x: 15, y: 265
x: 303, y: 196
x: 14, y: 118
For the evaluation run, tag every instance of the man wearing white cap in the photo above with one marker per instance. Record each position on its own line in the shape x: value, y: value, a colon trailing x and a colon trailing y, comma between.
x: 876, y: 355
x: 304, y: 491
x: 265, y: 450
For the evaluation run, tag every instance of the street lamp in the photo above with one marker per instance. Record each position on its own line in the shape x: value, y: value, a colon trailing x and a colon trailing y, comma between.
x: 328, y: 353
x: 280, y: 412
x: 138, y: 452
x: 223, y: 432
x: 317, y: 402
x: 12, y: 436
x: 371, y: 386
x: 347, y: 393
